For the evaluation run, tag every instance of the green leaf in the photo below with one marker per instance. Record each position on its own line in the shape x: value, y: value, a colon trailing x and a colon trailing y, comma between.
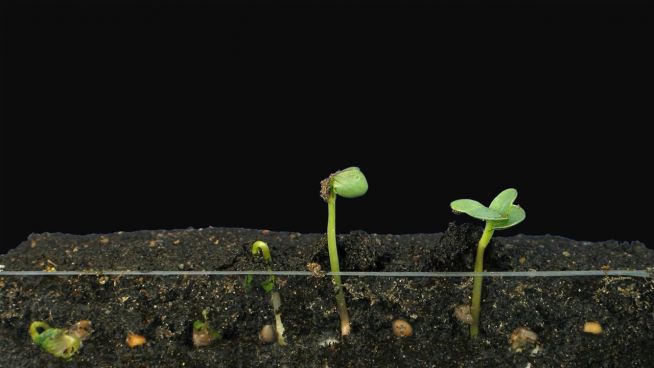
x: 198, y: 325
x: 486, y: 214
x: 516, y: 215
x: 215, y: 334
x: 476, y: 210
x: 465, y: 205
x: 269, y: 284
x: 504, y: 200
x: 350, y: 183
x: 56, y: 342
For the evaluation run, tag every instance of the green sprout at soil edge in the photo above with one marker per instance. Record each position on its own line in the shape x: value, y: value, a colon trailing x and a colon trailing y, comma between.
x: 268, y: 286
x: 55, y: 341
x: 348, y: 183
x: 203, y: 333
x: 501, y: 214
x: 260, y: 246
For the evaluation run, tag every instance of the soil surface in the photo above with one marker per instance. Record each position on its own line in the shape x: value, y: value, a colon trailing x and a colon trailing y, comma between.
x: 163, y: 308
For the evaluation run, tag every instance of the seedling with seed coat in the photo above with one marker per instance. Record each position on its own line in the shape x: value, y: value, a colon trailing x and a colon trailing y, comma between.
x: 261, y: 247
x: 203, y: 333
x: 501, y: 214
x: 348, y: 183
x: 268, y: 285
x: 56, y: 341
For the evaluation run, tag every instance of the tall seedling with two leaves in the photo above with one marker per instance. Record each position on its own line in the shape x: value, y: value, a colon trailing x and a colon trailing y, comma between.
x: 501, y: 214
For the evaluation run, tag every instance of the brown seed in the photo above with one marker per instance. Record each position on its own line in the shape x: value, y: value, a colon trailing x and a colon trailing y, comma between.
x: 267, y: 334
x: 402, y: 328
x: 81, y: 329
x: 50, y: 266
x: 522, y: 336
x: 522, y: 260
x: 462, y: 313
x: 134, y: 340
x: 201, y: 337
x: 593, y: 328
x: 315, y: 269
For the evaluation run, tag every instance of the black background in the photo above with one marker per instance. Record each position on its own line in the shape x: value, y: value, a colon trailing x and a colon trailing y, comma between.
x: 154, y: 115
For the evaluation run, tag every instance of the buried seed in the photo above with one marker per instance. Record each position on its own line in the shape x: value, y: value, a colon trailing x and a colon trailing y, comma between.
x: 82, y: 330
x: 520, y: 337
x: 462, y: 313
x: 402, y: 328
x: 203, y: 333
x: 133, y: 340
x: 201, y: 337
x: 593, y: 328
x: 267, y: 334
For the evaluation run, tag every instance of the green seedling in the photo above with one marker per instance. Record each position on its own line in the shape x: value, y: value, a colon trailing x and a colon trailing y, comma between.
x: 203, y: 333
x: 56, y: 341
x: 348, y: 183
x: 268, y: 285
x: 501, y: 214
x: 261, y: 247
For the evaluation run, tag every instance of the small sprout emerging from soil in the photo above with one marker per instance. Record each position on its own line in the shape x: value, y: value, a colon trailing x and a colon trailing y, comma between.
x: 56, y: 341
x: 501, y: 214
x: 402, y: 328
x: 267, y: 334
x: 50, y: 266
x: 133, y: 340
x: 348, y: 183
x: 261, y: 247
x: 203, y: 333
x: 268, y: 285
x: 593, y: 328
x: 520, y: 337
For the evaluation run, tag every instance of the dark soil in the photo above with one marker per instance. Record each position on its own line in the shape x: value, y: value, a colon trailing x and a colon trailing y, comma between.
x: 164, y: 308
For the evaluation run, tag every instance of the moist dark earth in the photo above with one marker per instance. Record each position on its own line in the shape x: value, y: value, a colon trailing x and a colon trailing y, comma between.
x: 163, y: 308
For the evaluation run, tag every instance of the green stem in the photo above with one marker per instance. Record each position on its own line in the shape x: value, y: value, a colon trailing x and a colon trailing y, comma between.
x: 34, y: 333
x: 477, y: 281
x: 260, y: 246
x: 333, y: 261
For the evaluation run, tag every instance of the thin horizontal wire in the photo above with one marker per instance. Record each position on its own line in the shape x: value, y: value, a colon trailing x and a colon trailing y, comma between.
x: 633, y: 273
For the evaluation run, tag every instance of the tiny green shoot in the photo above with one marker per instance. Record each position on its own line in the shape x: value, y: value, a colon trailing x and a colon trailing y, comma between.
x: 261, y: 247
x: 268, y: 285
x: 55, y: 341
x: 501, y: 214
x: 203, y: 333
x: 348, y: 183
